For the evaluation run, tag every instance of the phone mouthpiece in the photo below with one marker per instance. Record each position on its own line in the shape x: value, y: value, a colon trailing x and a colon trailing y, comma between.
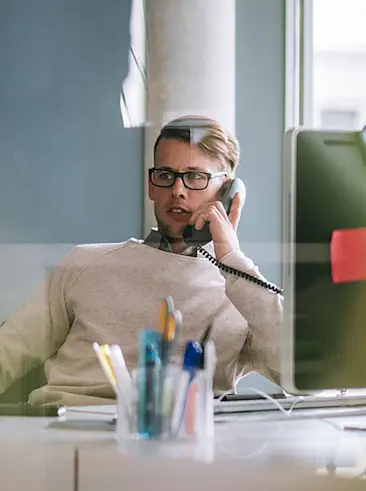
x: 193, y: 237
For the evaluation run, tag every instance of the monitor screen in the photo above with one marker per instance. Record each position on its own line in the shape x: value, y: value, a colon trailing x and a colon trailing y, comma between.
x: 324, y: 261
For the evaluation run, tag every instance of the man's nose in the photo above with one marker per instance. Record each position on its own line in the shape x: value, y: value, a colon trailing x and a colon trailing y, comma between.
x: 178, y: 189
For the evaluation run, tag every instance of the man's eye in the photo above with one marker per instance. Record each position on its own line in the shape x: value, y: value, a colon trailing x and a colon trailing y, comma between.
x: 165, y: 175
x: 196, y: 176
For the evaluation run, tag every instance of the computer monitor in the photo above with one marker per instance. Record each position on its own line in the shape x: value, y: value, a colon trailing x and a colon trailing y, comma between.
x: 324, y: 344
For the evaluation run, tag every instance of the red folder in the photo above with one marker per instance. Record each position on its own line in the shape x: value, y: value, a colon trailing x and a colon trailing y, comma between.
x: 348, y: 255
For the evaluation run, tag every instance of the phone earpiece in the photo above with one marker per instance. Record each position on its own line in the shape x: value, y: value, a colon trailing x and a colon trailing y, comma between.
x: 231, y: 188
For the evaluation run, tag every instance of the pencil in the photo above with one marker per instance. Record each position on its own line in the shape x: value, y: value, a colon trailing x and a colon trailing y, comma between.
x: 206, y: 334
x: 76, y: 469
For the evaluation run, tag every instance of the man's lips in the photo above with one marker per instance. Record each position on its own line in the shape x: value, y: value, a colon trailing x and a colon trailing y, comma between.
x: 179, y: 212
x: 178, y: 209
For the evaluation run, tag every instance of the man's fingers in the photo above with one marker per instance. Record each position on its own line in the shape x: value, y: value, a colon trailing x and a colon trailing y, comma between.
x: 235, y: 211
x: 215, y: 205
x: 212, y: 213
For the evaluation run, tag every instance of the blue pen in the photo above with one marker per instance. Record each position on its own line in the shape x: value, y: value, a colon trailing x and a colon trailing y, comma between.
x: 192, y: 357
x: 191, y: 362
x: 150, y: 388
x: 147, y: 382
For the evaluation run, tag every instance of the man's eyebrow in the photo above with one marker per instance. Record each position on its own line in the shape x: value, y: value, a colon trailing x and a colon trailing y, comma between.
x: 196, y: 168
x: 189, y: 168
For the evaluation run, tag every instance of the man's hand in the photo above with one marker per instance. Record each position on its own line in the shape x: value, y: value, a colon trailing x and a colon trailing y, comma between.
x: 222, y: 227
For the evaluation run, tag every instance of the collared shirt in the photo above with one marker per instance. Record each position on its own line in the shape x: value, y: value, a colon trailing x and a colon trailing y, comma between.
x: 158, y: 241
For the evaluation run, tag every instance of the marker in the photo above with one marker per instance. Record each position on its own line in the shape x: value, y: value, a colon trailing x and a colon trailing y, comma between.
x: 149, y: 343
x: 192, y: 357
x: 150, y: 387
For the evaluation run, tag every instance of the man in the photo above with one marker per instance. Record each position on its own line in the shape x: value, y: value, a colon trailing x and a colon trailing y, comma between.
x: 108, y: 292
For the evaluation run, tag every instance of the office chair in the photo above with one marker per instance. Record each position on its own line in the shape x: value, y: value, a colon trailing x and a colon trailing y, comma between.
x: 19, y: 391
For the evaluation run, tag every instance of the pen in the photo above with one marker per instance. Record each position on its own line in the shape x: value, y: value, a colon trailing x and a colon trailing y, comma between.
x: 150, y: 387
x: 178, y: 325
x: 170, y: 323
x: 149, y: 347
x: 123, y: 378
x: 119, y: 367
x: 105, y: 364
x: 203, y: 342
x: 354, y: 428
x: 207, y: 394
x: 76, y: 469
x: 210, y: 362
x: 191, y: 361
x: 206, y: 334
x: 166, y: 327
x: 204, y: 397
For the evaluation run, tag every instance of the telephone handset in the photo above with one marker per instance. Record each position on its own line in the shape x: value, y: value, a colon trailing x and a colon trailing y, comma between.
x: 228, y: 190
x: 199, y: 238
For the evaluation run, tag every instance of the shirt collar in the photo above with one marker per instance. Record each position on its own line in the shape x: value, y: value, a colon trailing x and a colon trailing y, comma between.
x: 158, y: 241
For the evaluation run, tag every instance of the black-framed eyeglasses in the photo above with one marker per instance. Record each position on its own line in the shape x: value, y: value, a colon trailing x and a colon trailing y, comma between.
x: 192, y: 179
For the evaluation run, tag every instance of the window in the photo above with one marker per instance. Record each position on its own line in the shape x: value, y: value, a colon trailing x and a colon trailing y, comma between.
x: 337, y: 65
x: 338, y: 119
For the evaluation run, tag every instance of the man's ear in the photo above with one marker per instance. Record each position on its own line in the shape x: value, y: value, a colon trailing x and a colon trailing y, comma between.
x: 151, y: 191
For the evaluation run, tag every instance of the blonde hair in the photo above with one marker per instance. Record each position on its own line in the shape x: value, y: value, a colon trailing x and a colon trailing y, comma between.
x: 207, y: 135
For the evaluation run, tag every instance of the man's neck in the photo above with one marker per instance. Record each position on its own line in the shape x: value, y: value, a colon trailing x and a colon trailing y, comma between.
x: 177, y: 245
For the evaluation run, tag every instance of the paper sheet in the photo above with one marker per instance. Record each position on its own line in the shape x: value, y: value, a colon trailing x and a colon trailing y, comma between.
x: 348, y: 255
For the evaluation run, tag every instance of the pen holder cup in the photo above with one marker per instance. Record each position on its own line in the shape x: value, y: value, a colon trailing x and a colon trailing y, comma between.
x: 166, y: 403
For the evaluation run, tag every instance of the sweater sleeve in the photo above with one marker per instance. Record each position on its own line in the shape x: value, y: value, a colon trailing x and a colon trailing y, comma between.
x: 40, y: 327
x: 263, y: 310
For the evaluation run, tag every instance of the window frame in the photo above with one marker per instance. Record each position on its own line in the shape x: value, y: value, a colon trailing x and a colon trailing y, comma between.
x: 298, y: 63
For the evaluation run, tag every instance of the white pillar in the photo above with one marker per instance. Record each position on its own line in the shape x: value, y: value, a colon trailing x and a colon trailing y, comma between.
x: 190, y: 67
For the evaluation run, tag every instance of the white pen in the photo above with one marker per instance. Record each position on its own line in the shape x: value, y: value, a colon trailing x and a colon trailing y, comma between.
x: 209, y: 369
x: 124, y: 390
x: 180, y: 401
x: 123, y: 378
x: 210, y: 362
x: 191, y: 361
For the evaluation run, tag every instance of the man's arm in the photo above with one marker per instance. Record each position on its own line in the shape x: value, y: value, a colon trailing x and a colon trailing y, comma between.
x: 40, y: 327
x: 263, y: 310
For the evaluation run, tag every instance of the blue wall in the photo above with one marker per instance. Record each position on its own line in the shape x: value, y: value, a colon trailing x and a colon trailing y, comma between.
x: 260, y: 68
x: 70, y: 172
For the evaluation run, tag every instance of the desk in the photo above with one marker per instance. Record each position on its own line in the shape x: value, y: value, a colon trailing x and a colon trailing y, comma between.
x: 41, y: 458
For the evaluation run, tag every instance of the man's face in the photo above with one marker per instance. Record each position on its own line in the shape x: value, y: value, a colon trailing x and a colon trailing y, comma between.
x: 175, y: 205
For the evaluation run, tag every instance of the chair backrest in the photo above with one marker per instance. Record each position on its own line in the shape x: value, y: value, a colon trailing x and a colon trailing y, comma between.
x: 20, y: 390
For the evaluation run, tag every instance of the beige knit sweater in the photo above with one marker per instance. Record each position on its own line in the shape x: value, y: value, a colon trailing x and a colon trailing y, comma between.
x: 107, y: 292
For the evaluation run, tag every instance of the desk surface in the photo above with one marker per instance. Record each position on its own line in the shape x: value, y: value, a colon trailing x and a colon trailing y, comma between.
x: 306, y: 443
